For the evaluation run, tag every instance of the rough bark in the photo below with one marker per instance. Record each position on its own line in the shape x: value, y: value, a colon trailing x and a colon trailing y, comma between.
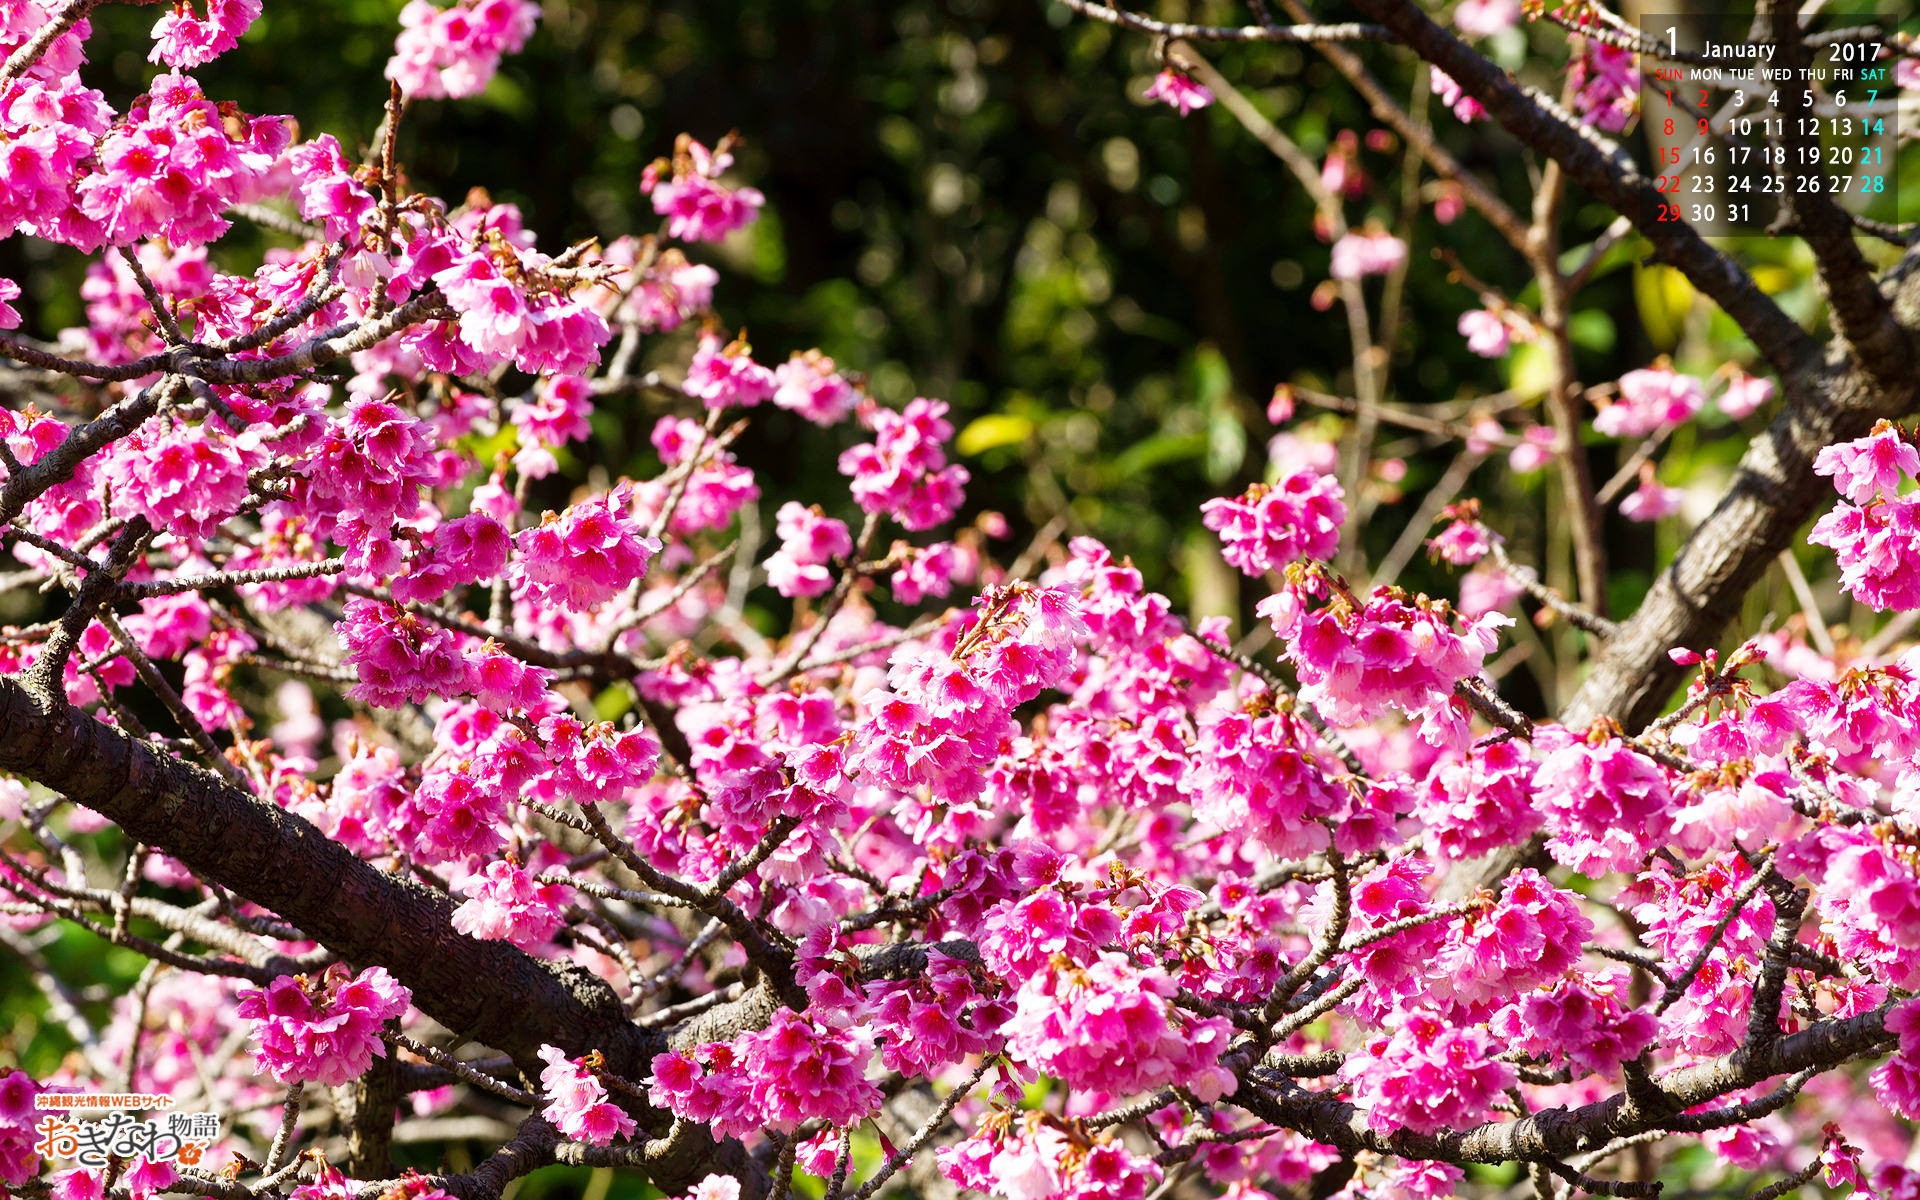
x: 365, y: 1108
x: 489, y: 991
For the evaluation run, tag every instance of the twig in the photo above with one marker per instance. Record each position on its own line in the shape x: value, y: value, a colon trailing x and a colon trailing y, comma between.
x: 1438, y: 497
x: 1352, y: 32
x: 783, y: 1169
x: 22, y: 59
x: 1646, y: 960
x: 912, y: 633
x: 688, y: 582
x: 1576, y: 616
x: 831, y: 606
x: 1599, y: 1187
x: 1740, y: 1114
x: 706, y: 937
x: 1809, y: 605
x: 289, y: 1116
x: 453, y: 1066
x: 190, y: 583
x: 932, y: 1126
x: 1630, y: 469
x: 1386, y: 931
x: 1792, y: 1182
x: 279, y: 222
x: 1324, y: 948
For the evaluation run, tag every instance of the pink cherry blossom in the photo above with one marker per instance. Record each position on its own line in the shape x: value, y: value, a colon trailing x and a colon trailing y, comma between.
x: 1358, y: 254
x: 809, y: 541
x: 808, y: 385
x: 1479, y: 800
x: 1271, y: 526
x: 454, y: 52
x: 1878, y: 549
x: 1112, y: 1028
x: 903, y: 472
x: 1395, y: 650
x: 1875, y: 464
x: 1605, y: 82
x: 1536, y: 449
x: 1462, y: 543
x: 1464, y: 107
x: 183, y: 38
x: 577, y: 1103
x: 726, y: 376
x: 184, y: 479
x: 1610, y: 802
x: 559, y: 414
x: 1649, y: 399
x: 1178, y: 89
x: 1425, y: 1076
x: 507, y: 903
x: 1897, y: 1081
x: 1652, y: 501
x: 325, y: 1031
x: 1745, y: 394
x: 1482, y: 18
x: 582, y: 557
x: 1485, y: 332
x: 688, y: 193
x: 399, y: 657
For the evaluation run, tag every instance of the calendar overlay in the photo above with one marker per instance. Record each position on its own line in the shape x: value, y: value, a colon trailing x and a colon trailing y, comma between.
x: 1725, y: 149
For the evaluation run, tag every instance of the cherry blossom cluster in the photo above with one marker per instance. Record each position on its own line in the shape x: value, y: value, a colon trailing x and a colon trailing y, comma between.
x: 1427, y: 1075
x: 1110, y: 1027
x: 792, y: 1071
x: 19, y: 1161
x: 325, y: 1031
x: 454, y: 52
x: 1649, y: 399
x: 507, y: 902
x: 1875, y: 533
x: 1271, y: 526
x: 809, y: 541
x: 1027, y: 1156
x: 183, y: 38
x: 904, y: 471
x: 686, y: 192
x: 725, y: 376
x: 1177, y: 88
x: 1356, y: 659
x: 1371, y: 253
x: 1606, y: 84
x: 577, y: 1102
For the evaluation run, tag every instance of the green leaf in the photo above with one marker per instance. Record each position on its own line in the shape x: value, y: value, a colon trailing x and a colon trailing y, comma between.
x: 1156, y: 451
x: 613, y: 703
x: 994, y: 429
x: 1226, y: 443
x: 1665, y: 298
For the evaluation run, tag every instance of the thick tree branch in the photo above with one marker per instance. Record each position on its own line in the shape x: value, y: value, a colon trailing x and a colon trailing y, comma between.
x: 489, y: 991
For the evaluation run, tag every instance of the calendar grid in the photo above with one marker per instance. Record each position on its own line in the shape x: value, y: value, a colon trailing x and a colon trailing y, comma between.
x: 1734, y: 130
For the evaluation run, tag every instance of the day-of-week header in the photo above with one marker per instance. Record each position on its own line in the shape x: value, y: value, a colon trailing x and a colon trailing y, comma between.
x: 1712, y: 74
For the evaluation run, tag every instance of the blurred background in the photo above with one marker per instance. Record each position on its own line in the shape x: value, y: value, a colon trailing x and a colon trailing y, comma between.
x: 972, y: 200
